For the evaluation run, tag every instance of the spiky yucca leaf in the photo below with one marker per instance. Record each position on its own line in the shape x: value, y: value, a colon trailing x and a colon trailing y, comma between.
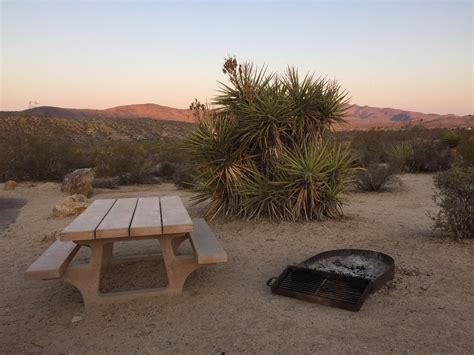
x: 314, y: 179
x: 317, y: 104
x: 263, y: 197
x: 221, y: 163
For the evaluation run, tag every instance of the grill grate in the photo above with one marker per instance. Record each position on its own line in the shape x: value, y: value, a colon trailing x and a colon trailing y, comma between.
x: 317, y: 286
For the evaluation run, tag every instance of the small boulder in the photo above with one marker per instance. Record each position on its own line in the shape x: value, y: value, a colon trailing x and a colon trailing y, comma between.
x: 10, y: 185
x: 78, y: 182
x: 76, y: 319
x: 70, y: 206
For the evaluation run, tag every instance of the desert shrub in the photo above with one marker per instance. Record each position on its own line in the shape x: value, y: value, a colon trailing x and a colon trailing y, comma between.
x: 105, y: 183
x: 49, y: 152
x: 402, y: 156
x: 173, y: 152
x: 165, y: 169
x: 377, y: 177
x: 262, y: 152
x: 466, y: 152
x: 131, y: 162
x: 451, y: 139
x: 183, y: 177
x: 431, y: 157
x: 432, y: 148
x: 40, y: 155
x: 370, y: 146
x: 456, y: 201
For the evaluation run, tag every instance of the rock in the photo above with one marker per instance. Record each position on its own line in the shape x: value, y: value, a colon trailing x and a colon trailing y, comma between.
x: 10, y: 185
x: 70, y: 206
x: 76, y: 319
x: 78, y: 182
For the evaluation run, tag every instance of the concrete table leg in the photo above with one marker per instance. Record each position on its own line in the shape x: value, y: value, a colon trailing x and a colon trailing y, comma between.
x: 86, y: 278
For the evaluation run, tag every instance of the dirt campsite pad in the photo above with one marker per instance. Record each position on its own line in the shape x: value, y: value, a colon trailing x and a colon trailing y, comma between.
x: 427, y: 308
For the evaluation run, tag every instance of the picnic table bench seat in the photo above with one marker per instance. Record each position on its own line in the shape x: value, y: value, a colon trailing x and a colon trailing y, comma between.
x: 206, y: 247
x: 53, y: 262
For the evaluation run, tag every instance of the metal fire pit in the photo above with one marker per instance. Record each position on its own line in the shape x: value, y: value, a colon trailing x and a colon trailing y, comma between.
x: 339, y: 278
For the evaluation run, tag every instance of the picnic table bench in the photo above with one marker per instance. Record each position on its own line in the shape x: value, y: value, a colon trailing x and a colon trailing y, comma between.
x: 127, y: 219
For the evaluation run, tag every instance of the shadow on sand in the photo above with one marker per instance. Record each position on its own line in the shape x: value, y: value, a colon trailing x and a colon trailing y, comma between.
x: 9, y: 209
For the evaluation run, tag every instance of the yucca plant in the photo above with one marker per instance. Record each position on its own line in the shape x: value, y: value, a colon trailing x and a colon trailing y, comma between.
x: 402, y: 156
x: 261, y: 151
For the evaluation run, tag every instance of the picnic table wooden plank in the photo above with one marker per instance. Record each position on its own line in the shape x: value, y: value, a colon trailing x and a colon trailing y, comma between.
x: 147, y: 218
x: 116, y: 223
x: 205, y: 244
x: 53, y: 262
x: 84, y: 226
x: 174, y: 216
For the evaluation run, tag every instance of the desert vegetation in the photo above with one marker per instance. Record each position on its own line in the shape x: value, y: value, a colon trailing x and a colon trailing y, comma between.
x: 455, y: 197
x: 47, y: 154
x: 266, y: 150
x: 263, y: 152
x: 50, y: 150
x: 384, y: 154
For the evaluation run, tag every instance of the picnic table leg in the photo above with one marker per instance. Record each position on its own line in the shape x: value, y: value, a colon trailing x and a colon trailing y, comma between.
x: 108, y: 253
x: 86, y: 278
x: 176, y: 242
x: 179, y: 267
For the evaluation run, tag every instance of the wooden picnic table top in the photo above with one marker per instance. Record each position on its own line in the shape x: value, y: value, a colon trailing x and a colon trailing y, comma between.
x: 130, y: 217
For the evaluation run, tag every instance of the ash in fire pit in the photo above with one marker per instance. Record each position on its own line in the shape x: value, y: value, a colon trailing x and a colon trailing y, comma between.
x: 351, y: 265
x: 367, y: 264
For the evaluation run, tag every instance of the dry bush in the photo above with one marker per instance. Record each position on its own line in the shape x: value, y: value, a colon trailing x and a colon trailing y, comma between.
x: 371, y: 147
x: 451, y: 139
x: 431, y: 157
x: 131, y: 162
x: 456, y: 201
x: 183, y: 177
x: 105, y: 183
x: 377, y: 177
x: 466, y: 152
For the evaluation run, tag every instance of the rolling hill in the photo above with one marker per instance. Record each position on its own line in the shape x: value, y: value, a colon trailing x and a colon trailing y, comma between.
x: 88, y: 130
x: 151, y: 121
x: 358, y: 117
x: 153, y: 111
x: 366, y: 117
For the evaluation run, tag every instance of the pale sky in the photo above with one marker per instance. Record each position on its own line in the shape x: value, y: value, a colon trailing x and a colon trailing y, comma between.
x: 413, y: 55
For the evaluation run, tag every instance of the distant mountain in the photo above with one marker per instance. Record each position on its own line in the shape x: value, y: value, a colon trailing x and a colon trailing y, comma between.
x: 366, y: 117
x: 358, y: 117
x: 153, y: 111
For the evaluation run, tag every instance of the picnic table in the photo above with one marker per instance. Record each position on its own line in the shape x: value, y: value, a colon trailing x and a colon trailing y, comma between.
x: 128, y: 219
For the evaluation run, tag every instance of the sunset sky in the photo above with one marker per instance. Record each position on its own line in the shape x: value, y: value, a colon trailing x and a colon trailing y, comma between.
x: 415, y: 55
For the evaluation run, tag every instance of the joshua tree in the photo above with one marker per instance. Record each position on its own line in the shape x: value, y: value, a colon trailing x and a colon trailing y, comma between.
x: 262, y: 153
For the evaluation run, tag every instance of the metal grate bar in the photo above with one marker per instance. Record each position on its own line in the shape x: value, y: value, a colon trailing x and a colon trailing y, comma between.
x: 338, y: 290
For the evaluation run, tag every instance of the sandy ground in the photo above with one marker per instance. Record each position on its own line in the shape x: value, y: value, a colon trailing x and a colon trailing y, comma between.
x: 428, y: 308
